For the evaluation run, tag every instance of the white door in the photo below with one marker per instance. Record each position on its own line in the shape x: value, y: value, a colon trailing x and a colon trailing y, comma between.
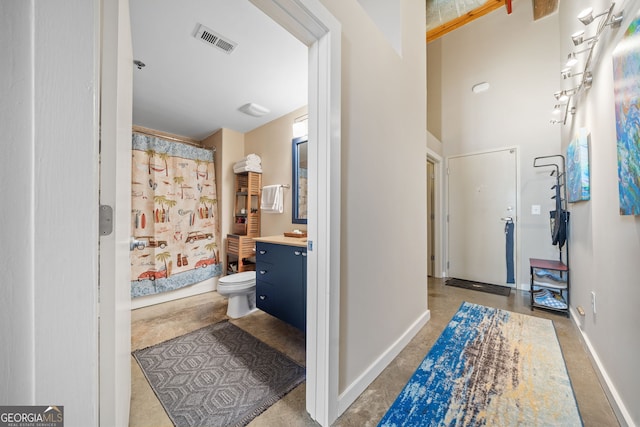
x: 482, y: 194
x: 115, y: 191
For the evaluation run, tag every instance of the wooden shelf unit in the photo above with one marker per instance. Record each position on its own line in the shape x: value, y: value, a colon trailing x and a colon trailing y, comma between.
x: 246, y: 222
x: 241, y: 252
x: 246, y: 210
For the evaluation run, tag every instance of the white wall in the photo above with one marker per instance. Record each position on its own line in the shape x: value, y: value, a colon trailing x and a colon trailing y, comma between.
x: 604, y: 244
x: 48, y: 262
x: 383, y: 273
x: 519, y: 58
x: 386, y: 15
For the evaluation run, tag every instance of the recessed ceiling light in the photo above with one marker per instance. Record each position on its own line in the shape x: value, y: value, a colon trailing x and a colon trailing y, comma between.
x: 254, y: 110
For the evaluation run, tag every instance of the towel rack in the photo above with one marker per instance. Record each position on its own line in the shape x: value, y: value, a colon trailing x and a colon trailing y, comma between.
x: 283, y: 186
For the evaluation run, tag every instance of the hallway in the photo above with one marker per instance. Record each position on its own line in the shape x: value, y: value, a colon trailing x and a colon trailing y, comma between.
x: 151, y: 325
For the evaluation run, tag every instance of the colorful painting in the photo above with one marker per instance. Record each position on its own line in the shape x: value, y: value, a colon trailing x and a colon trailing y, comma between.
x: 578, y: 168
x: 626, y: 75
x: 173, y: 216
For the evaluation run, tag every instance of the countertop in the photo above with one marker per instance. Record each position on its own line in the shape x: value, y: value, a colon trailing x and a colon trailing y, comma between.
x: 282, y: 240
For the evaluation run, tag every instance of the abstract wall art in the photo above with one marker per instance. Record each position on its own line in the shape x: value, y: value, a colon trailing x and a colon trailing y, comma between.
x: 578, y: 188
x: 626, y: 76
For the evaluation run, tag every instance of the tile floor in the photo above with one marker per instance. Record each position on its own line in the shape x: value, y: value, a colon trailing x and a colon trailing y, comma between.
x: 151, y: 325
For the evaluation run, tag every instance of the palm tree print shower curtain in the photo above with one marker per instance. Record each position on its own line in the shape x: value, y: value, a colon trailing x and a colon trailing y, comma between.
x: 173, y: 216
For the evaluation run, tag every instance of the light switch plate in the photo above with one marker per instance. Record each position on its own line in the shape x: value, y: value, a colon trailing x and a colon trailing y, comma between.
x: 535, y: 209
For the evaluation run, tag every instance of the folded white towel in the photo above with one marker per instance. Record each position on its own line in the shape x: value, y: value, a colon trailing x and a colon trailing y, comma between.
x: 253, y: 158
x: 271, y: 201
x: 241, y: 169
x: 243, y: 163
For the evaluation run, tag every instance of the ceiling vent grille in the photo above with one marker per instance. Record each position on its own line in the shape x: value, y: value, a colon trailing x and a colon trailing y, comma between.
x: 210, y: 37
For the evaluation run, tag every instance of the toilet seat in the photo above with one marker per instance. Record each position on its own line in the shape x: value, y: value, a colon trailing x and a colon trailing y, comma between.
x: 237, y: 282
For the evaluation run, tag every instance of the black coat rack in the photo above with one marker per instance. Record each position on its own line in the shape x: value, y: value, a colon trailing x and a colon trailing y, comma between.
x: 559, y: 218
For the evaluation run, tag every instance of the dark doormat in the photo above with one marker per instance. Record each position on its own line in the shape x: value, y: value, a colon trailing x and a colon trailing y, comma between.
x: 479, y: 286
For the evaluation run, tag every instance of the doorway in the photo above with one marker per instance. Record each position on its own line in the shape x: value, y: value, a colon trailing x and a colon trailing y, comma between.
x: 435, y: 218
x: 312, y: 24
x: 482, y: 195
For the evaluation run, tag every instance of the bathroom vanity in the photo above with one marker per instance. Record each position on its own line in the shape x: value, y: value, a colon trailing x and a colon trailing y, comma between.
x: 281, y: 278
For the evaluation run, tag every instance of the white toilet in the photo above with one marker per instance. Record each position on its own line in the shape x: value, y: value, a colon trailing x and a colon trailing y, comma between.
x: 240, y: 288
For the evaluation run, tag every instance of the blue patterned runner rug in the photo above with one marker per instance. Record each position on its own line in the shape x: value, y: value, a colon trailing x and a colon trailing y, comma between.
x: 217, y: 376
x: 489, y: 367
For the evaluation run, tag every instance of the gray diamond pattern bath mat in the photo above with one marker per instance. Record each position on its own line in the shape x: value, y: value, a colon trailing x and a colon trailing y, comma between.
x: 217, y: 376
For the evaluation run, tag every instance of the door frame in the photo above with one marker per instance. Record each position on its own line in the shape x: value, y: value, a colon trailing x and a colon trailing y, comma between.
x: 517, y: 246
x: 439, y: 264
x: 314, y: 25
x: 115, y: 101
x: 311, y: 23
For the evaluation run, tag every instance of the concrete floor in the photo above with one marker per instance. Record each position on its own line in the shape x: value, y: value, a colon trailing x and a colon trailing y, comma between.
x: 152, y: 325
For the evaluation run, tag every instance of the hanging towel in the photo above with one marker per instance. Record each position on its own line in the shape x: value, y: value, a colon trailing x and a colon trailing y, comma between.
x: 271, y: 201
x: 508, y: 231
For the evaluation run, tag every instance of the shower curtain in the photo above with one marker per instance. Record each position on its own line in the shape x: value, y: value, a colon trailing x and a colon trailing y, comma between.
x: 174, y: 222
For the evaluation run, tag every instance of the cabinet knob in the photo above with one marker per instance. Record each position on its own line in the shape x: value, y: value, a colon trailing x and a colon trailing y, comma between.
x: 304, y: 254
x: 263, y: 271
x: 262, y: 252
x: 263, y: 297
x: 297, y: 252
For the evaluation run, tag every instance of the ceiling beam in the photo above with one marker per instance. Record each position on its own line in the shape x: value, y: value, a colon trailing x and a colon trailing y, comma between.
x: 476, y: 13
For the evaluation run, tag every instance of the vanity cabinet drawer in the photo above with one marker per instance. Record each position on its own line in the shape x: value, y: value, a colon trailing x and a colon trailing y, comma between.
x: 275, y: 274
x: 275, y: 254
x: 290, y: 309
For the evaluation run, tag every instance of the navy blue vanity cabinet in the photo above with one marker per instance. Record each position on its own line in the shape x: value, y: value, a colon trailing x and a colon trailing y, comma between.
x: 281, y: 282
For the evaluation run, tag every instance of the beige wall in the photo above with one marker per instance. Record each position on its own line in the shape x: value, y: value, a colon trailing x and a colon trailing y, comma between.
x: 272, y: 142
x: 519, y: 58
x: 229, y: 146
x: 383, y: 273
x: 434, y: 144
x: 434, y: 88
x: 604, y: 244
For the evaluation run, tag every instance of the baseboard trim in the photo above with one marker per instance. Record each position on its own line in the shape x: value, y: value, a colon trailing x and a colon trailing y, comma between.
x: 188, y: 291
x: 619, y: 409
x: 356, y: 388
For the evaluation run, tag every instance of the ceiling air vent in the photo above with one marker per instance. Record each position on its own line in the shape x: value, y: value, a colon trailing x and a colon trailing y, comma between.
x: 206, y: 35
